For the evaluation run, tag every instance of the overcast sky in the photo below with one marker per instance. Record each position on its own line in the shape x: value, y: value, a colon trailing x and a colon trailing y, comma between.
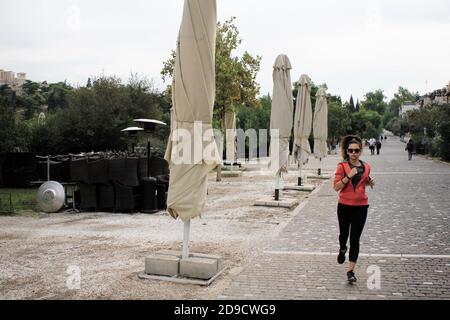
x: 353, y: 46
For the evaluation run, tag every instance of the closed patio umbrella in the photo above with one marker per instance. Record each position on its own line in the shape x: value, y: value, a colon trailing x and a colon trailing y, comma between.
x: 320, y: 126
x: 303, y: 123
x: 193, y: 103
x: 281, y: 118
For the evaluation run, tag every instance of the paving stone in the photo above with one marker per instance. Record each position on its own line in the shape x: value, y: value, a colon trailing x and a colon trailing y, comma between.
x: 405, y: 236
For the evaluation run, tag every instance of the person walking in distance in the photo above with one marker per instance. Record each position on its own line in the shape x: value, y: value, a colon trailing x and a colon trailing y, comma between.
x: 410, y: 149
x: 352, y: 177
x: 372, y: 144
x: 379, y: 145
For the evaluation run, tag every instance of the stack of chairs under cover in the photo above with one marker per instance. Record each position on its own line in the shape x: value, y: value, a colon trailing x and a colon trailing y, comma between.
x: 2, y: 161
x: 98, y: 176
x: 86, y: 196
x: 159, y: 169
x: 123, y: 172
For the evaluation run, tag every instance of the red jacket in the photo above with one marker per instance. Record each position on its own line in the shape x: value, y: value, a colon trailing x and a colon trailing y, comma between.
x: 349, y: 196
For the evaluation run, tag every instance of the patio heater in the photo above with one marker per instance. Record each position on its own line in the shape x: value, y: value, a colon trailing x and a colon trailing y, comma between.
x: 150, y: 128
x: 150, y: 203
x: 133, y: 133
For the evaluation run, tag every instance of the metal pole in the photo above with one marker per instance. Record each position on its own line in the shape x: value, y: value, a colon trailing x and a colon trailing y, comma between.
x: 277, y: 187
x: 148, y: 156
x: 187, y: 229
x: 300, y: 182
x: 48, y: 168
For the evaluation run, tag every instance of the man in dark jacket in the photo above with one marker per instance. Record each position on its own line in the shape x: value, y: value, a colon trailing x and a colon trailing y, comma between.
x: 379, y: 145
x: 410, y: 149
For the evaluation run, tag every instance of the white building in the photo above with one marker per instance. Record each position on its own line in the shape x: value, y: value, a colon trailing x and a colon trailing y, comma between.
x: 15, y: 81
x: 408, y: 106
x: 6, y: 77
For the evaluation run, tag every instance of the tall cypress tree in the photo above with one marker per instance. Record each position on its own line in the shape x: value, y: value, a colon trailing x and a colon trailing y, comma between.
x: 351, y: 105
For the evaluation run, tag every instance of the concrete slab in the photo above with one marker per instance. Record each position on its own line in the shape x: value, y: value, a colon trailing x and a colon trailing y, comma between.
x: 321, y: 177
x: 306, y: 187
x: 180, y: 280
x: 233, y: 168
x: 231, y: 174
x: 198, y: 268
x: 219, y: 259
x: 162, y: 265
x: 284, y: 202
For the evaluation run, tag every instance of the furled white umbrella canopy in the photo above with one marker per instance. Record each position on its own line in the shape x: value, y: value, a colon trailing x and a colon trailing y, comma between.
x: 320, y: 126
x: 193, y: 103
x: 303, y: 121
x: 281, y: 117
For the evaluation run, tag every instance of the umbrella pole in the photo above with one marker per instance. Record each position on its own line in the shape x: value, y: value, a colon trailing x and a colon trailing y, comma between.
x: 187, y: 229
x: 277, y: 187
x: 300, y: 182
x: 320, y: 168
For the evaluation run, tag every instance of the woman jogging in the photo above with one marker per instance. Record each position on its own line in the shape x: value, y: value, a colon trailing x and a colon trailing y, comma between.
x: 352, y: 177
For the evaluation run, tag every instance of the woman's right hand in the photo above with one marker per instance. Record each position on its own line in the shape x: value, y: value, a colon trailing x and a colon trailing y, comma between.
x: 353, y: 173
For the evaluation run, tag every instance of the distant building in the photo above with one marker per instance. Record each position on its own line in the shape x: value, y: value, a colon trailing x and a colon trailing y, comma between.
x: 439, y: 97
x: 15, y: 81
x: 409, y: 106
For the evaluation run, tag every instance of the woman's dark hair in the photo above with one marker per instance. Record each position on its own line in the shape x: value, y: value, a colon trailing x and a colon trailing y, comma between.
x: 346, y: 142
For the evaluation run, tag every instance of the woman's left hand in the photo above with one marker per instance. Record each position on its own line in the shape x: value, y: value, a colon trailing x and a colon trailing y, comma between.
x: 371, y: 183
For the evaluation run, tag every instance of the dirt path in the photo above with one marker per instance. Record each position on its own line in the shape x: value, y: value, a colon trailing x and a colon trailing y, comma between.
x: 109, y: 249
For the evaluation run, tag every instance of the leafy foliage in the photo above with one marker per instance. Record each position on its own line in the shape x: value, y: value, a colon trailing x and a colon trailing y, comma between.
x: 236, y: 84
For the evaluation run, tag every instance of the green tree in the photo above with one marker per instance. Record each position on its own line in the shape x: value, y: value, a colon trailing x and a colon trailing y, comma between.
x: 443, y: 131
x: 402, y: 96
x: 235, y: 76
x: 397, y: 102
x: 8, y: 128
x: 95, y: 117
x: 351, y: 105
x: 425, y: 121
x: 30, y: 87
x: 365, y: 122
x: 375, y: 101
x: 57, y: 96
x: 339, y: 121
x: 255, y: 118
x: 8, y: 97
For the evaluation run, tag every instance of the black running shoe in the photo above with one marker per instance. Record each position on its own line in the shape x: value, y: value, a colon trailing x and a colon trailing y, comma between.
x: 351, y: 277
x: 341, y: 256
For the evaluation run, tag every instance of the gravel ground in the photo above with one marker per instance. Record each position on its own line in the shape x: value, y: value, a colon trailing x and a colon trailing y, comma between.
x: 36, y: 250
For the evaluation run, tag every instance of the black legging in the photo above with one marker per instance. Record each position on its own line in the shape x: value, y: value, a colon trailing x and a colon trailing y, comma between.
x: 352, y: 220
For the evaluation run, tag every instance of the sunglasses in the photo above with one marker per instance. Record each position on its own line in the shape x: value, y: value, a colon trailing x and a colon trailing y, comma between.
x: 354, y: 151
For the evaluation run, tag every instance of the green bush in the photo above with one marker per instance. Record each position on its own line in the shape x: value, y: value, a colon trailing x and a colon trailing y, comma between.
x: 444, y: 133
x: 435, y: 146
